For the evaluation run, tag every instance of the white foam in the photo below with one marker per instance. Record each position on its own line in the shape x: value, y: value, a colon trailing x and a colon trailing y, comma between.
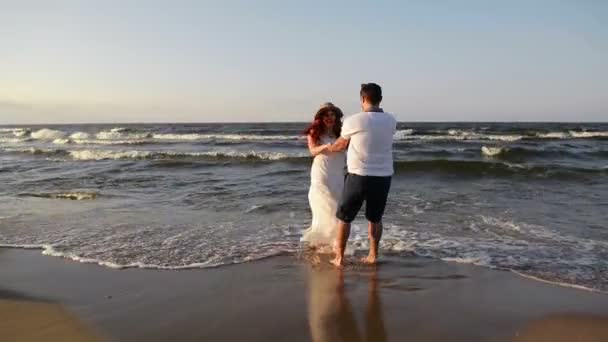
x: 109, y: 142
x: 17, y: 131
x: 250, y: 154
x: 137, y: 154
x: 400, y: 134
x: 491, y: 151
x: 480, y: 261
x: 79, y: 135
x: 20, y: 132
x: 432, y: 137
x: 253, y: 208
x: 588, y: 134
x: 105, y: 154
x: 463, y: 136
x: 13, y: 140
x: 573, y: 286
x: 62, y: 141
x: 238, y: 137
x: 553, y: 135
x: 79, y: 196
x: 48, y: 134
x: 509, y: 138
x: 503, y: 224
x: 51, y: 251
x: 31, y: 150
x: 454, y: 132
x: 115, y: 134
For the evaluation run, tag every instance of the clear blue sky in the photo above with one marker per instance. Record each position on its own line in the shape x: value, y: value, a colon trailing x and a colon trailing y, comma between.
x: 134, y: 61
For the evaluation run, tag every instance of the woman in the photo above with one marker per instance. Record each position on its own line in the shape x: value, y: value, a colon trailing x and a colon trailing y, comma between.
x: 326, y: 177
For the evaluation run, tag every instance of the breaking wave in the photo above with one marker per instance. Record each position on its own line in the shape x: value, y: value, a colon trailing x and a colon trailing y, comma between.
x: 76, y: 195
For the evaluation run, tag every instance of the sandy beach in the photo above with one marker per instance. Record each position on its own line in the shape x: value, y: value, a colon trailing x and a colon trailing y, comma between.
x: 289, y: 298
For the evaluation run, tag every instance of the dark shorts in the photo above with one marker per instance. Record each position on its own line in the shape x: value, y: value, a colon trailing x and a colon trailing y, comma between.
x: 357, y: 189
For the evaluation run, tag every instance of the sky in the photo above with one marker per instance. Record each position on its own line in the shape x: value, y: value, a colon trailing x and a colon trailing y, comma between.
x: 238, y: 61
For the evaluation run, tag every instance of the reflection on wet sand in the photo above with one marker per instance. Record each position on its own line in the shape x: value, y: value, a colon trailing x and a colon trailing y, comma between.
x: 331, y: 316
x: 566, y: 328
x: 26, y: 319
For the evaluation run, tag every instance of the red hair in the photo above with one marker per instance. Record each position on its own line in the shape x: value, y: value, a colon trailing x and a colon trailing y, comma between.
x: 317, y: 127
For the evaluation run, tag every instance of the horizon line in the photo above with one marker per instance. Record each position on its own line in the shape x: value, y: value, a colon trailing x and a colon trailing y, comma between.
x: 281, y: 122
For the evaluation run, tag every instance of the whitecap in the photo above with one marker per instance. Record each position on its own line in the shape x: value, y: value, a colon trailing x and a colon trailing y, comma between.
x: 13, y: 140
x: 238, y: 137
x: 120, y: 134
x: 61, y: 141
x: 586, y: 134
x: 138, y: 154
x: 400, y: 134
x: 491, y: 151
x: 101, y: 154
x: 553, y: 135
x: 48, y: 134
x: 80, y: 135
x: 21, y: 132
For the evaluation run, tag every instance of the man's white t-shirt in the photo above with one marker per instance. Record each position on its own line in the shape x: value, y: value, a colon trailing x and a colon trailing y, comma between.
x: 370, y: 152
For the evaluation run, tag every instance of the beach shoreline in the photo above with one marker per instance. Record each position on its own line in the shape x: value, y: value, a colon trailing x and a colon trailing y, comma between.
x: 289, y: 297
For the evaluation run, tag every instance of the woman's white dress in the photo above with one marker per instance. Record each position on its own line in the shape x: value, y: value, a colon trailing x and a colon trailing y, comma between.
x: 326, y: 184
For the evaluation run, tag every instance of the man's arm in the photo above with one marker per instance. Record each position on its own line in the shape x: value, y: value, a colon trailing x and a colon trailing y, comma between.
x: 316, y: 148
x: 340, y: 145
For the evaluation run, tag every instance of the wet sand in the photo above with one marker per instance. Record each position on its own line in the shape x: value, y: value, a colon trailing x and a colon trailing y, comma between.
x: 288, y: 298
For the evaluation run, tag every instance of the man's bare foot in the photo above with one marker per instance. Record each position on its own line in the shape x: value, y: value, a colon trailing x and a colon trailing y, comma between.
x: 370, y: 260
x: 315, y: 259
x: 337, y: 261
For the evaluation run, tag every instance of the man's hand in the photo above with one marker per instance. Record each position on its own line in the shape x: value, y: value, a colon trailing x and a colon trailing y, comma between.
x: 340, y: 145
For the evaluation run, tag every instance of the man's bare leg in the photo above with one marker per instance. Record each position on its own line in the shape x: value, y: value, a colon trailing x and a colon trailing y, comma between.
x: 374, y: 232
x: 341, y: 239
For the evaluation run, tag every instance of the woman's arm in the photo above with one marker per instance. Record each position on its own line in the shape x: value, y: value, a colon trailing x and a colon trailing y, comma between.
x: 340, y: 145
x: 315, y: 148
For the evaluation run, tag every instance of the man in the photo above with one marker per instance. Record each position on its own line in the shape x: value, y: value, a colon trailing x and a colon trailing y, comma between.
x: 369, y: 138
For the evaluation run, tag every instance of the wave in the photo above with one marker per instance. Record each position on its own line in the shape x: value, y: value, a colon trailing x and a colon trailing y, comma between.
x: 586, y: 134
x: 104, y: 142
x: 553, y: 135
x: 524, y: 153
x: 152, y: 155
x: 17, y: 131
x: 114, y: 134
x: 478, y: 260
x: 492, y: 151
x: 492, y: 168
x: 473, y: 137
x: 238, y: 137
x: 572, y: 135
x: 401, y: 134
x: 14, y: 140
x: 34, y: 151
x: 76, y: 195
x: 61, y: 141
x: 48, y: 134
x: 50, y: 250
x: 251, y: 155
x: 80, y: 136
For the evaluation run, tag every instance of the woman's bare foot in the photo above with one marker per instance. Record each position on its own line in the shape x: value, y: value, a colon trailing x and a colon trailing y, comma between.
x: 337, y: 261
x: 370, y: 260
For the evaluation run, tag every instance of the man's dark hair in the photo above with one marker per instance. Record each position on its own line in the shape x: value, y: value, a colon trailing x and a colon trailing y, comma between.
x: 372, y: 92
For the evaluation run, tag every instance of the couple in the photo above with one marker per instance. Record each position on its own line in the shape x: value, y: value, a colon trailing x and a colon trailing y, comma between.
x: 335, y: 200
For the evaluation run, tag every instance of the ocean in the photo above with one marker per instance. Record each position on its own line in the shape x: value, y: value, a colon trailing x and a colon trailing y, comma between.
x: 527, y: 197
